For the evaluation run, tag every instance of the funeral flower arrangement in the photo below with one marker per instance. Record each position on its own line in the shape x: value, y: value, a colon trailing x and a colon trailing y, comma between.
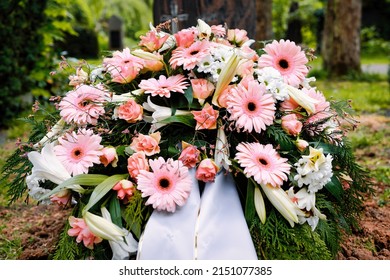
x: 131, y: 134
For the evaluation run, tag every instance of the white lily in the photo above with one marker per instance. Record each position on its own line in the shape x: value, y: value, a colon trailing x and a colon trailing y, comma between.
x: 121, y: 250
x: 306, y: 201
x: 204, y: 29
x: 221, y: 157
x: 159, y: 114
x: 103, y: 228
x: 55, y: 130
x: 47, y: 166
x: 280, y: 200
x: 121, y: 98
x: 260, y: 205
x: 304, y: 100
x: 226, y: 76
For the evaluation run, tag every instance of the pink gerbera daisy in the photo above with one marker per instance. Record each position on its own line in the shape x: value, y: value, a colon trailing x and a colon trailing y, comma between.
x: 189, y: 57
x: 79, y: 151
x: 288, y: 59
x: 263, y: 163
x: 123, y: 66
x: 83, y: 105
x: 167, y: 186
x: 163, y: 86
x: 251, y: 107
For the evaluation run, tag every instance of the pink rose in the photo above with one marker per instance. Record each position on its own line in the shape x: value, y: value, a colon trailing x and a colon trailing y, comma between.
x: 207, y: 118
x: 147, y: 143
x: 291, y: 125
x: 135, y: 163
x: 189, y: 155
x: 109, y: 156
x: 125, y: 190
x: 81, y: 230
x: 207, y: 170
x: 131, y: 111
x: 202, y: 89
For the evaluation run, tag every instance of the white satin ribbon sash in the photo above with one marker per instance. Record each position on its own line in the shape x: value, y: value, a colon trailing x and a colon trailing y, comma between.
x: 208, y: 227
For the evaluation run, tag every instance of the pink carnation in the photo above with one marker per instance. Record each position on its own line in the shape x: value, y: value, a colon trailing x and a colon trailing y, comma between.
x: 125, y: 190
x: 81, y: 230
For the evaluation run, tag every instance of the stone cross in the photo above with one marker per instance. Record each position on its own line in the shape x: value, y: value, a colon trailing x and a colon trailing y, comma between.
x: 174, y: 16
x: 181, y: 13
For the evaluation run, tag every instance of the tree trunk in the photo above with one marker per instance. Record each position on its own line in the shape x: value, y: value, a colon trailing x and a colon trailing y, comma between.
x: 341, y: 41
x: 263, y: 20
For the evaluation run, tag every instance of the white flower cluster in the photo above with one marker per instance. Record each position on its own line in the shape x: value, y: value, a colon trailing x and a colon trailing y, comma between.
x: 314, y: 170
x: 215, y: 61
x: 273, y: 81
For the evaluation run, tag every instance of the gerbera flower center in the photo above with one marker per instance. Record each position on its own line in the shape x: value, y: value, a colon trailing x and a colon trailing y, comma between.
x: 85, y: 103
x: 283, y: 63
x: 164, y: 183
x: 251, y: 106
x: 194, y: 52
x: 263, y: 161
x: 77, y: 153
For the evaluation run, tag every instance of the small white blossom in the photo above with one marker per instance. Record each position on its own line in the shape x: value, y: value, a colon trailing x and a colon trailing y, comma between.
x: 273, y: 81
x: 314, y: 170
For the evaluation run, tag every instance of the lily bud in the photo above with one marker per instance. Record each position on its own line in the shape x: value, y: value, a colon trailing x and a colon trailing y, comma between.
x: 280, y: 200
x: 204, y: 29
x: 260, y: 205
x: 304, y: 100
x: 226, y: 76
x: 103, y: 228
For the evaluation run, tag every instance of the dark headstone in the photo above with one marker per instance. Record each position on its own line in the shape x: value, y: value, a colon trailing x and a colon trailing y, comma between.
x: 115, y: 26
x: 294, y: 26
x: 235, y: 14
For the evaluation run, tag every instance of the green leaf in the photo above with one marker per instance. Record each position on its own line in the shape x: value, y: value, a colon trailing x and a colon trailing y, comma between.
x: 188, y: 94
x: 115, y: 211
x: 102, y: 189
x: 81, y: 179
x: 335, y: 188
x: 184, y: 119
x: 250, y: 210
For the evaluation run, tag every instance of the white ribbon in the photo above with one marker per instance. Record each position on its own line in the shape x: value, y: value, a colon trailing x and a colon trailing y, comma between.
x: 208, y: 227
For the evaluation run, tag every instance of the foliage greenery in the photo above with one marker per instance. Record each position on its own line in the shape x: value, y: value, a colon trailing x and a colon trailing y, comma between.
x: 20, y: 49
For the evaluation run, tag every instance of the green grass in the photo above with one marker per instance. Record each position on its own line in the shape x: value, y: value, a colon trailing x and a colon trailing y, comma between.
x: 366, y: 97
